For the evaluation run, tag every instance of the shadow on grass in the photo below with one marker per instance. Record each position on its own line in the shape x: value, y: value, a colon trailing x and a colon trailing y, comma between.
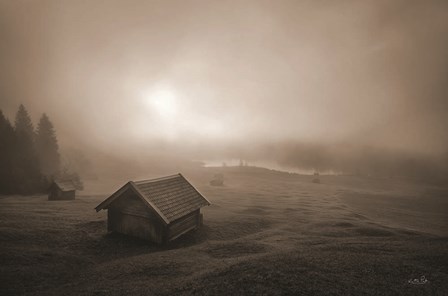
x: 111, y: 246
x: 102, y: 246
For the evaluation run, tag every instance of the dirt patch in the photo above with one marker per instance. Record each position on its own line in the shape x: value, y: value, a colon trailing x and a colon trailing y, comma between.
x: 357, y: 216
x: 255, y: 211
x: 231, y: 230
x: 291, y: 210
x: 235, y: 249
x: 371, y: 231
x: 100, y: 225
x: 343, y: 224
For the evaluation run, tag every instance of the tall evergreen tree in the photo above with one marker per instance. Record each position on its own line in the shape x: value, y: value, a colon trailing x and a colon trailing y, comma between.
x: 7, y: 148
x: 47, y: 148
x: 27, y: 172
x: 23, y: 125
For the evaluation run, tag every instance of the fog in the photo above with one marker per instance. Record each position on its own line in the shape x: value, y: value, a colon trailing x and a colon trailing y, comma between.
x: 328, y: 85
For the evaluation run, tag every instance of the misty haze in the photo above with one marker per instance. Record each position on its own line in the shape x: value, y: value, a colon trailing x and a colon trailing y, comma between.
x: 223, y: 147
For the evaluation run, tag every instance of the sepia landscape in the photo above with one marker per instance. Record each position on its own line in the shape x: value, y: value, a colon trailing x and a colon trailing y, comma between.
x: 223, y: 147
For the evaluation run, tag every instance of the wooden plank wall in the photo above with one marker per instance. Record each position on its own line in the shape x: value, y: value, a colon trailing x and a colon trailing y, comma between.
x: 131, y: 204
x: 68, y: 195
x: 57, y: 194
x: 134, y: 225
x: 183, y: 225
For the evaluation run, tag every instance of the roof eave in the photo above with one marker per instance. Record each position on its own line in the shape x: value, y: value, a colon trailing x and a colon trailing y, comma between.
x: 103, y: 205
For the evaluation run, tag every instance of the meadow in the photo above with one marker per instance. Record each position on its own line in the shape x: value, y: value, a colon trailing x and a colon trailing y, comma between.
x: 266, y: 233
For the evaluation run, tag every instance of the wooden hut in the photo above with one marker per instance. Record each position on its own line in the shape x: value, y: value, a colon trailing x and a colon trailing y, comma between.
x: 316, y: 178
x: 159, y: 210
x: 62, y: 190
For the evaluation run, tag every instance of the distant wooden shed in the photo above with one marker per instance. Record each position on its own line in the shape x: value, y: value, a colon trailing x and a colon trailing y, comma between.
x: 159, y: 210
x: 62, y: 190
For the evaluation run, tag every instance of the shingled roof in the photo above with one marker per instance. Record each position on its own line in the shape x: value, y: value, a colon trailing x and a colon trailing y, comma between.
x: 65, y: 185
x: 172, y: 197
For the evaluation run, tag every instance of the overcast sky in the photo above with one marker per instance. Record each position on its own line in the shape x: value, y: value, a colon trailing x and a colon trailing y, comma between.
x: 121, y: 74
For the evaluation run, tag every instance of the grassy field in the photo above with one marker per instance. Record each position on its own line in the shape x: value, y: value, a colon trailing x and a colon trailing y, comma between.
x: 267, y: 233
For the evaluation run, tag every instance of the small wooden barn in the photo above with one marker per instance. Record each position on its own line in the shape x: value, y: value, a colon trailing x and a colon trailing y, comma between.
x: 159, y: 210
x: 62, y: 190
x: 316, y: 178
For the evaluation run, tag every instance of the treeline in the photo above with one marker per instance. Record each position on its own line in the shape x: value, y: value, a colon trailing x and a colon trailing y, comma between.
x: 29, y: 157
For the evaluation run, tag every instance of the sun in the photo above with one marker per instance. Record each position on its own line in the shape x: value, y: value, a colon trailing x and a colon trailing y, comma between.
x: 163, y: 101
x: 169, y: 114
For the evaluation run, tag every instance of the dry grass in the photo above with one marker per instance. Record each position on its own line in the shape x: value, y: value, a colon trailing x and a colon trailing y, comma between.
x: 265, y: 234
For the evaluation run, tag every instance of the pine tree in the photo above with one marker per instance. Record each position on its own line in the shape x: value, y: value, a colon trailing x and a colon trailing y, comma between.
x: 23, y: 125
x: 47, y: 148
x: 27, y: 172
x: 7, y: 148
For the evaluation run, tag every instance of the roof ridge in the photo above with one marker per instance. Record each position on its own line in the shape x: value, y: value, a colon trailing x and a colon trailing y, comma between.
x: 195, y: 189
x: 157, y: 179
x: 142, y: 195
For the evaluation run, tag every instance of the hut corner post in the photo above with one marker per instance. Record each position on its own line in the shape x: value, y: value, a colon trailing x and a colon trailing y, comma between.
x: 200, y: 221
